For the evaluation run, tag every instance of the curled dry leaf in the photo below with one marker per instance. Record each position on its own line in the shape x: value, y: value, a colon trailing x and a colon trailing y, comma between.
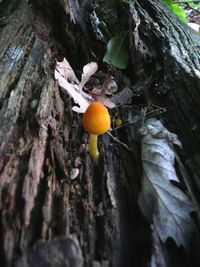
x: 93, y: 83
x: 88, y: 71
x: 67, y: 79
x: 73, y: 91
x: 109, y: 86
x: 164, y: 204
x: 66, y: 71
x: 103, y: 99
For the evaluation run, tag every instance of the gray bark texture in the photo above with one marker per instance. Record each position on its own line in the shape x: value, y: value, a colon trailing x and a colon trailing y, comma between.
x: 46, y: 218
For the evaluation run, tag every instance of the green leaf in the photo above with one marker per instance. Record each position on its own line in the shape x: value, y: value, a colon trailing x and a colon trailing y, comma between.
x: 177, y: 10
x: 117, y: 52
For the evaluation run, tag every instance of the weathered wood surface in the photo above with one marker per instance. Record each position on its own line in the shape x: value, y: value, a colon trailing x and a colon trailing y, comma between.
x: 177, y: 78
x: 41, y: 138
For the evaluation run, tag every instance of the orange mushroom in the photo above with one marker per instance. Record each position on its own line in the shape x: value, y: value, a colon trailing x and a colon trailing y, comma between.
x: 96, y: 121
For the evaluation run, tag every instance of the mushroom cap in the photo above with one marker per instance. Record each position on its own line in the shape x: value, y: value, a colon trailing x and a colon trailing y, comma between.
x: 96, y: 119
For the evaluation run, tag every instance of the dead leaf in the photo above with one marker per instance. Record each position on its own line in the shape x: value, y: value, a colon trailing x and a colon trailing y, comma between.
x: 66, y: 71
x: 73, y: 91
x: 93, y: 83
x: 67, y: 79
x: 109, y: 86
x: 164, y: 204
x: 103, y: 99
x: 88, y: 71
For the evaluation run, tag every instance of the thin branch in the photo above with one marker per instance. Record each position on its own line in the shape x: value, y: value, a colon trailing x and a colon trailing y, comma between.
x: 119, y: 142
x: 150, y: 114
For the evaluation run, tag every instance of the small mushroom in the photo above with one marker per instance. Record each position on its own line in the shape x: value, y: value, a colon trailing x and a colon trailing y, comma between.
x: 96, y: 121
x: 118, y: 122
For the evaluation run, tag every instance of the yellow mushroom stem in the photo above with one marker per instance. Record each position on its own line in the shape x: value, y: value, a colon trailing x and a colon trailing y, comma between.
x: 93, y: 148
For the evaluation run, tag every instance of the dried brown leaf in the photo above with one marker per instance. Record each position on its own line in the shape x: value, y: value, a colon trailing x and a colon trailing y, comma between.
x: 67, y: 79
x: 88, y: 71
x: 103, y: 99
x: 66, y: 71
x: 73, y: 91
x: 164, y: 204
x: 109, y: 86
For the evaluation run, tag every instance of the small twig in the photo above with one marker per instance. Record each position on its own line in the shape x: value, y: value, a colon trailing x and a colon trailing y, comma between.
x: 148, y: 115
x: 125, y: 124
x: 159, y: 109
x: 145, y: 116
x: 119, y: 142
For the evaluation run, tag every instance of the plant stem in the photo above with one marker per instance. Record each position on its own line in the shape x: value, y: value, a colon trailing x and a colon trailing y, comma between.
x: 93, y: 149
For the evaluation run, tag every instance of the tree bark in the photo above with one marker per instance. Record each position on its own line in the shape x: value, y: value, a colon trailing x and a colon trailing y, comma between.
x: 94, y: 219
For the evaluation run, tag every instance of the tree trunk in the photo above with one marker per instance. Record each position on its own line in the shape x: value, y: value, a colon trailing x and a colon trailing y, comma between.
x: 94, y: 219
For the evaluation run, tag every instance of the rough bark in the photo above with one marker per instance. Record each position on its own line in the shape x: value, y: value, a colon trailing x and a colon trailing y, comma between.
x: 41, y: 138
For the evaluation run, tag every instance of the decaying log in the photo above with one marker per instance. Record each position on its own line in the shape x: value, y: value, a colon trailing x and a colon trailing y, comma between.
x: 42, y: 140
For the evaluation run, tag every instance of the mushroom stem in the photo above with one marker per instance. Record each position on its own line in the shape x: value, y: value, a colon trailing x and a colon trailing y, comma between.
x: 93, y: 149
